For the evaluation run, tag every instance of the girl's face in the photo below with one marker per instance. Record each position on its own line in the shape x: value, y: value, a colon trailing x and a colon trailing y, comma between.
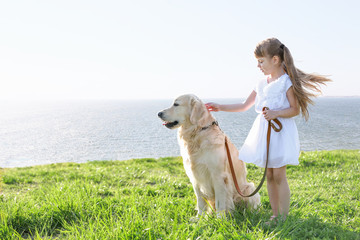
x: 268, y: 65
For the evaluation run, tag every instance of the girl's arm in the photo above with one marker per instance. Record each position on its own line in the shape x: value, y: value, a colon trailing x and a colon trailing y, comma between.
x: 239, y: 107
x: 292, y: 111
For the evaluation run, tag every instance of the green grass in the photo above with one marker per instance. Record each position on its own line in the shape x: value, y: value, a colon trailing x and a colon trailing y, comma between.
x: 153, y: 199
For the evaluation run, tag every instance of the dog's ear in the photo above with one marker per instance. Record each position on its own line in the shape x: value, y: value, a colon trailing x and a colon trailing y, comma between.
x: 199, y: 114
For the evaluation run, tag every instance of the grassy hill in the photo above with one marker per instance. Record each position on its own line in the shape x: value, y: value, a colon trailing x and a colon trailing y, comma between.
x: 153, y: 199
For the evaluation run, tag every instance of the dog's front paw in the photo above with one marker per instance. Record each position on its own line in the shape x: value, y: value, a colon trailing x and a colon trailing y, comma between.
x: 221, y: 214
x: 194, y: 219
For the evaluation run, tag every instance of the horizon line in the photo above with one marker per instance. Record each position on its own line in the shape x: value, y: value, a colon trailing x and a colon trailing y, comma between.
x: 135, y: 99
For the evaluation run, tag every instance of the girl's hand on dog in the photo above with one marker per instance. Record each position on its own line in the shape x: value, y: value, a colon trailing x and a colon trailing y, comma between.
x: 212, y: 107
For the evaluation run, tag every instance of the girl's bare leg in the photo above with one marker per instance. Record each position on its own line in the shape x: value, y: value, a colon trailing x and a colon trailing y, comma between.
x: 283, y: 190
x: 278, y: 190
x: 272, y: 191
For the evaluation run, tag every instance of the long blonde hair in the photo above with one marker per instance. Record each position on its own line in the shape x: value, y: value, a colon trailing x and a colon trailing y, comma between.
x: 306, y: 86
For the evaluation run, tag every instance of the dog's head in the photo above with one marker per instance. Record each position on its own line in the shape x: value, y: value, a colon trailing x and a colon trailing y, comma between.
x: 186, y: 110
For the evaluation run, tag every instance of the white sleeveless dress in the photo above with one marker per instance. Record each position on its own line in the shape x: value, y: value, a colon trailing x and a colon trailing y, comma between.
x: 284, y: 145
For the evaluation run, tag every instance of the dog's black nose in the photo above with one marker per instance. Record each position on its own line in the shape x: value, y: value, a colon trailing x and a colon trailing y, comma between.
x: 160, y: 114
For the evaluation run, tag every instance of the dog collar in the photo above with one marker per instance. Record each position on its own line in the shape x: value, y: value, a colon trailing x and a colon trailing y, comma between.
x: 213, y: 123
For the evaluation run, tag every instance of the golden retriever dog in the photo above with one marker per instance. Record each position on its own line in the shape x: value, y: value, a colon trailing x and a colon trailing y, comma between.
x: 204, y: 156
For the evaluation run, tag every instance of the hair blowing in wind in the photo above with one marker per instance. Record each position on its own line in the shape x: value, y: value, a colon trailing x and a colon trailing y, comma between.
x: 306, y: 86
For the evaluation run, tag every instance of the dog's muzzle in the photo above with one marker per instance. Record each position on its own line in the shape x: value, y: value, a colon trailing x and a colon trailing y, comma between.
x: 167, y: 124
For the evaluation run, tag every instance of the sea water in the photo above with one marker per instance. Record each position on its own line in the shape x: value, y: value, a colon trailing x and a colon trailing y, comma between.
x: 34, y: 133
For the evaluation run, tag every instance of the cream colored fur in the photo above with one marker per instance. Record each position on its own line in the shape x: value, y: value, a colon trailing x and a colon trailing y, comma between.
x: 204, y: 157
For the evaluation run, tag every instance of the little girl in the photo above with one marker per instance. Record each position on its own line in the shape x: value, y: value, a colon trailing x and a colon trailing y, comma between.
x: 286, y: 92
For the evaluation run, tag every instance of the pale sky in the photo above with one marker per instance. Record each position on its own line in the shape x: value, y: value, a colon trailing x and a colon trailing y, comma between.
x: 149, y: 49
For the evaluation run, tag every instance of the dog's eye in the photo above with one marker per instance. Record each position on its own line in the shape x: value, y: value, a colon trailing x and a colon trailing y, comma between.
x: 176, y: 104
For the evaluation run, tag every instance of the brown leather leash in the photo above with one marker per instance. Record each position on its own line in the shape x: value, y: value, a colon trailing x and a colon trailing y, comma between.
x: 276, y: 129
